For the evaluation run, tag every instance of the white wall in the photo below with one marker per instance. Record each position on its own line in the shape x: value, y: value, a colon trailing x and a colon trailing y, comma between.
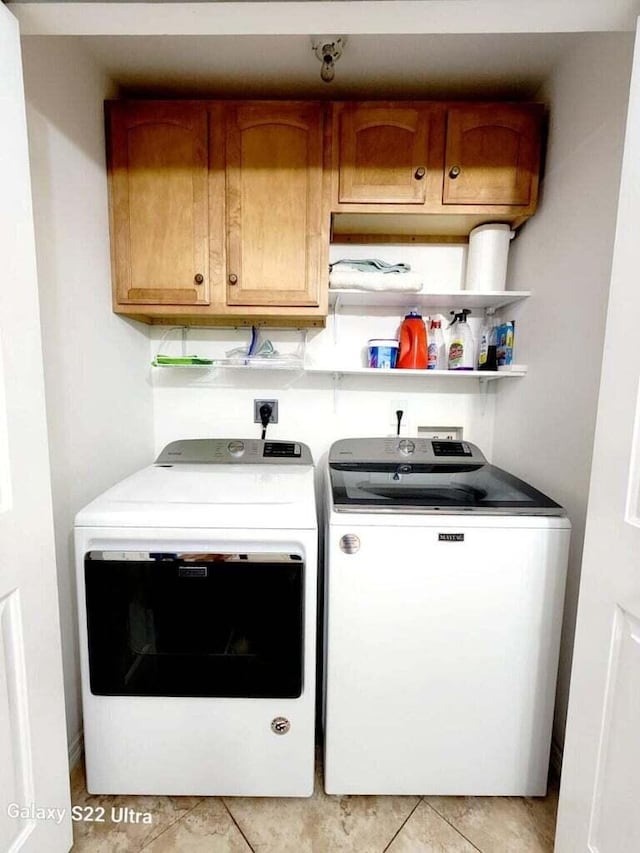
x: 98, y: 396
x: 545, y: 425
x: 314, y: 409
x: 319, y: 409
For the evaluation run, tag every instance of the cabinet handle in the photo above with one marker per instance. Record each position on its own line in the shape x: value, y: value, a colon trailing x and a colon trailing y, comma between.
x: 233, y: 278
x: 454, y: 171
x: 420, y: 173
x: 198, y: 278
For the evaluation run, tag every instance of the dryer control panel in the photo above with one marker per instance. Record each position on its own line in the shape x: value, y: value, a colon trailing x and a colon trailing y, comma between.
x: 225, y: 451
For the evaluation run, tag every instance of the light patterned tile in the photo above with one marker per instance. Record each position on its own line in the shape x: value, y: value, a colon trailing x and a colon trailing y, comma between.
x: 321, y: 823
x: 427, y: 832
x: 111, y: 836
x: 208, y: 828
x: 499, y: 824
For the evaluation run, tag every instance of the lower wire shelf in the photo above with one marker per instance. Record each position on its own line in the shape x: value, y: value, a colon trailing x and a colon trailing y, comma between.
x: 244, y: 363
x: 484, y: 375
x: 298, y: 365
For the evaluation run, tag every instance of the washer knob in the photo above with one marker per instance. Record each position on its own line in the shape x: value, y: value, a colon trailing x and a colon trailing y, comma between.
x: 406, y: 446
x: 236, y: 448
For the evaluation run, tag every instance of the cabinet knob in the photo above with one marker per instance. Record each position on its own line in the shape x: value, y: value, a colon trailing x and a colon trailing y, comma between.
x: 420, y: 173
x: 454, y: 171
x: 233, y: 278
x: 198, y: 278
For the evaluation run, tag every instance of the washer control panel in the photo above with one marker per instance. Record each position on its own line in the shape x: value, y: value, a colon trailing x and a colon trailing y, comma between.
x: 420, y: 451
x: 225, y: 451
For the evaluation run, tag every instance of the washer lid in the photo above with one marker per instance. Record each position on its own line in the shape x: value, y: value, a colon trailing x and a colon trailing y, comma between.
x: 250, y: 496
x: 419, y: 475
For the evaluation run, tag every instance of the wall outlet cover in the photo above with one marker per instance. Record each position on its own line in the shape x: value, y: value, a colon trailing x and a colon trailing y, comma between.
x: 397, y: 405
x: 274, y: 411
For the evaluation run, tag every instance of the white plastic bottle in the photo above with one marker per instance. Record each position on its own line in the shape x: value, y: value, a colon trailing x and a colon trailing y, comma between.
x: 436, y: 351
x: 461, y: 353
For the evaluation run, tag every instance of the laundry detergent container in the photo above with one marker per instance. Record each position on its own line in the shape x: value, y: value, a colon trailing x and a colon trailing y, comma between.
x: 487, y: 257
x: 412, y: 353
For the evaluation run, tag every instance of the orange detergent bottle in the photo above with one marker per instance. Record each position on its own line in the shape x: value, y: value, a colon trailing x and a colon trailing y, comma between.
x: 413, y: 343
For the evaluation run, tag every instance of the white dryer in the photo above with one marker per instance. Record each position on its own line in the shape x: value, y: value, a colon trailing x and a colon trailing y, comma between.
x: 197, y: 608
x: 443, y: 603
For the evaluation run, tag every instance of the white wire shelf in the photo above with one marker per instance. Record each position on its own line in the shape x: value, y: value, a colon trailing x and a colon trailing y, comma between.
x: 429, y: 375
x: 472, y: 299
x: 243, y: 363
x: 299, y: 366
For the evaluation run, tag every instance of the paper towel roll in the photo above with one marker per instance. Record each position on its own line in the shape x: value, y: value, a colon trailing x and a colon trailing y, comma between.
x: 487, y: 257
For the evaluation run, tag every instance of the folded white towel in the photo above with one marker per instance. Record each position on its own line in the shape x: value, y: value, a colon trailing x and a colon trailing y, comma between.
x: 352, y: 279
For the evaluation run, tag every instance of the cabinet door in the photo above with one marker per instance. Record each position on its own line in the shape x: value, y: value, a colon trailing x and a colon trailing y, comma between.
x: 492, y: 154
x: 382, y: 151
x: 159, y: 207
x: 276, y: 208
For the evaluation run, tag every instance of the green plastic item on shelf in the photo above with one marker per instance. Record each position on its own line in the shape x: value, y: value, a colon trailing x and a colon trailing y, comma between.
x: 177, y: 361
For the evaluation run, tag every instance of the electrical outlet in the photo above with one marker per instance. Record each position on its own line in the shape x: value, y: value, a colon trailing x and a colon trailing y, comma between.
x: 395, y: 406
x: 441, y: 433
x: 274, y: 411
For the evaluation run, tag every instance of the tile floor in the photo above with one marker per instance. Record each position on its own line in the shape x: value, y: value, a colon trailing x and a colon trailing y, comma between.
x: 321, y: 824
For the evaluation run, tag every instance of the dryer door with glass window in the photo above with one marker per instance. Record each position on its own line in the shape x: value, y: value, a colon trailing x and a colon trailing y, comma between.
x: 189, y: 624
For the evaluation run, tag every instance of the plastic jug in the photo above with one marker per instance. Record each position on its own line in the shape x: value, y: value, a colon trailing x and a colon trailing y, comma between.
x: 413, y: 343
x: 487, y: 257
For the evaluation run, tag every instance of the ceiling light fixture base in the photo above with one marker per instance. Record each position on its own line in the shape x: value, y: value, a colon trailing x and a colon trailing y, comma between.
x: 328, y: 50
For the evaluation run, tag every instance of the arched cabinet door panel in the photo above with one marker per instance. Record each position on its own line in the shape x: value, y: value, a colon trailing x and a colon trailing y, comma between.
x: 277, y: 215
x: 158, y: 173
x: 492, y: 154
x: 383, y: 153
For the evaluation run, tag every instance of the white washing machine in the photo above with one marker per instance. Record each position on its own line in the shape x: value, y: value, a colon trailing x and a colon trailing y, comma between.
x: 443, y: 604
x: 197, y: 608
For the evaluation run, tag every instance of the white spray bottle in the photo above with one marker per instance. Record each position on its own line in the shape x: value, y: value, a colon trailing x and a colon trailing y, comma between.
x: 436, y: 351
x: 461, y: 354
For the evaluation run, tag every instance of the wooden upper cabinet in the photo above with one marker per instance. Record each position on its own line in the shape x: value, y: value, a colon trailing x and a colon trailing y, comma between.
x: 492, y: 154
x: 276, y: 207
x: 222, y: 209
x: 383, y: 152
x: 158, y: 174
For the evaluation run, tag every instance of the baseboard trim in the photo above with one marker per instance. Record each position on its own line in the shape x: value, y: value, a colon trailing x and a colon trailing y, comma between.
x: 76, y: 748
